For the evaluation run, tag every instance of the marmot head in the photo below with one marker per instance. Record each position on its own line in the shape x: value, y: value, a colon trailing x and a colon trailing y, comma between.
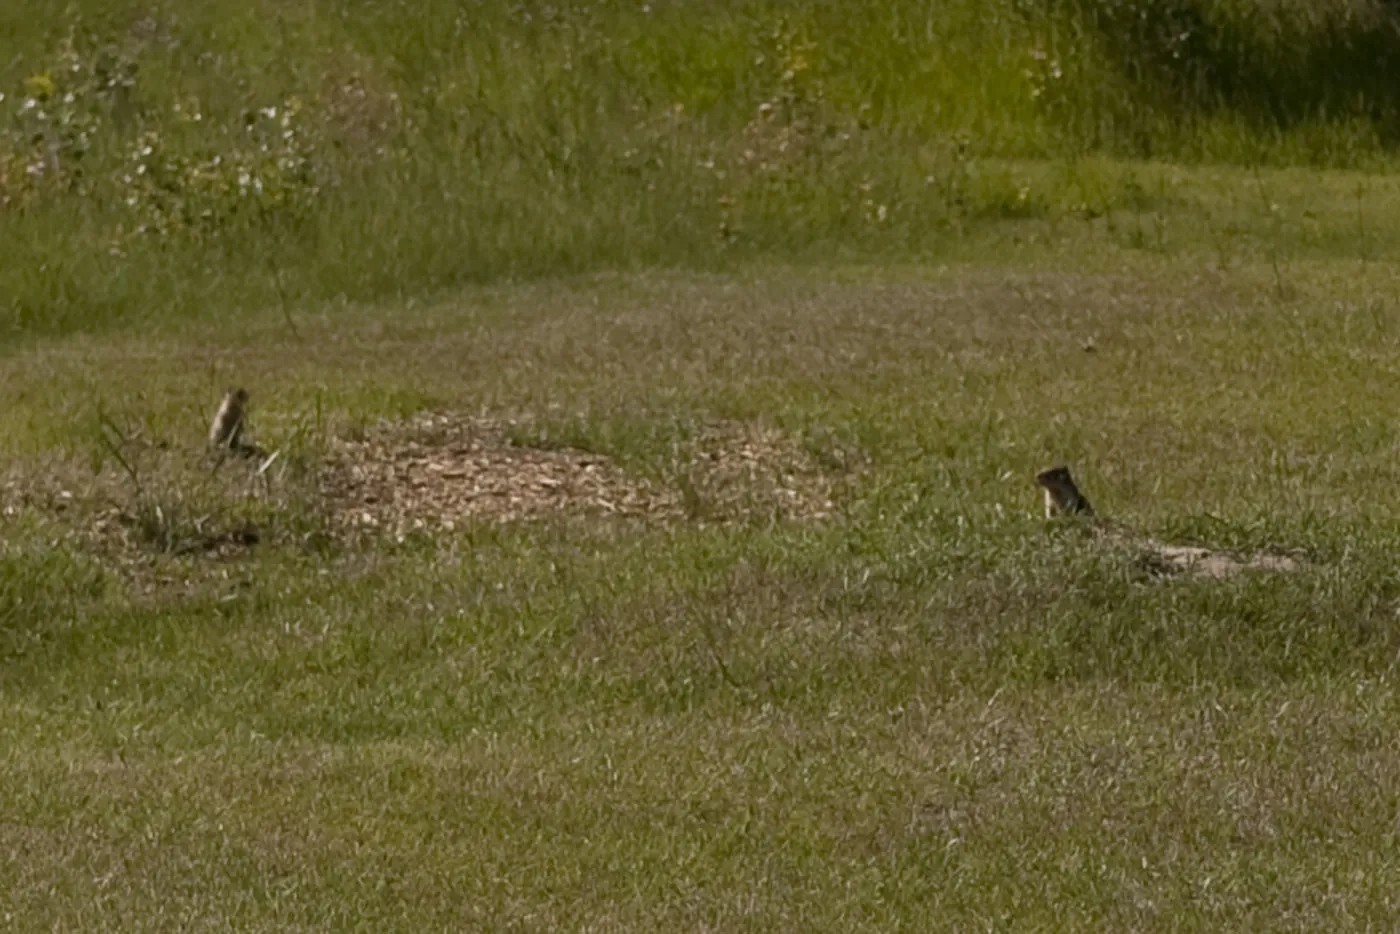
x: 1054, y: 478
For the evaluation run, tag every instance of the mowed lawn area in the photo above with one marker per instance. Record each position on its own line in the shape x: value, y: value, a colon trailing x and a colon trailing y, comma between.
x: 723, y: 601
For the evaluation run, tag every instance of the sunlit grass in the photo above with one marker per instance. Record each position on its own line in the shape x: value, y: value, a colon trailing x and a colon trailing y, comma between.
x: 933, y: 702
x: 933, y: 247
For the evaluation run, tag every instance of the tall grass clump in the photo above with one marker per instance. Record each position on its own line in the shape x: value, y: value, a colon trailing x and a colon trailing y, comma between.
x: 173, y: 158
x: 1239, y: 80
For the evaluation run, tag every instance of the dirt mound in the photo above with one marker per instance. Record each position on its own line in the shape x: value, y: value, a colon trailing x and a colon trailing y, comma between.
x: 1163, y: 561
x: 437, y: 471
x: 1203, y: 562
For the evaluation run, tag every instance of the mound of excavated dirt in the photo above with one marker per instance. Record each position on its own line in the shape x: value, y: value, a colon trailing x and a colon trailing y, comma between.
x: 1166, y: 561
x: 1184, y: 559
x: 439, y: 470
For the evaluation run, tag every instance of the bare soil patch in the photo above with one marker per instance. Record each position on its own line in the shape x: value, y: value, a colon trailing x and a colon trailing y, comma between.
x: 1203, y: 562
x: 1163, y: 561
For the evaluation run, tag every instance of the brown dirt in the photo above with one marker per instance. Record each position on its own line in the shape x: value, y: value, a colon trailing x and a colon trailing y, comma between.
x: 1165, y: 561
x: 1182, y: 559
x: 438, y: 471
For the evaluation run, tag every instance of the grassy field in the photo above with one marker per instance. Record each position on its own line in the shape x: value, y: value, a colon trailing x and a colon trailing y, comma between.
x: 753, y: 622
x: 930, y: 709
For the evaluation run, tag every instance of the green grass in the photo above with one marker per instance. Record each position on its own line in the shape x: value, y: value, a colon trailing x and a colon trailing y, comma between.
x: 932, y: 710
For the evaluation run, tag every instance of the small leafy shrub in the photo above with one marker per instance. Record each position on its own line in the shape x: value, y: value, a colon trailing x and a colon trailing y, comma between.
x: 267, y: 174
x: 56, y: 120
x: 82, y: 127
